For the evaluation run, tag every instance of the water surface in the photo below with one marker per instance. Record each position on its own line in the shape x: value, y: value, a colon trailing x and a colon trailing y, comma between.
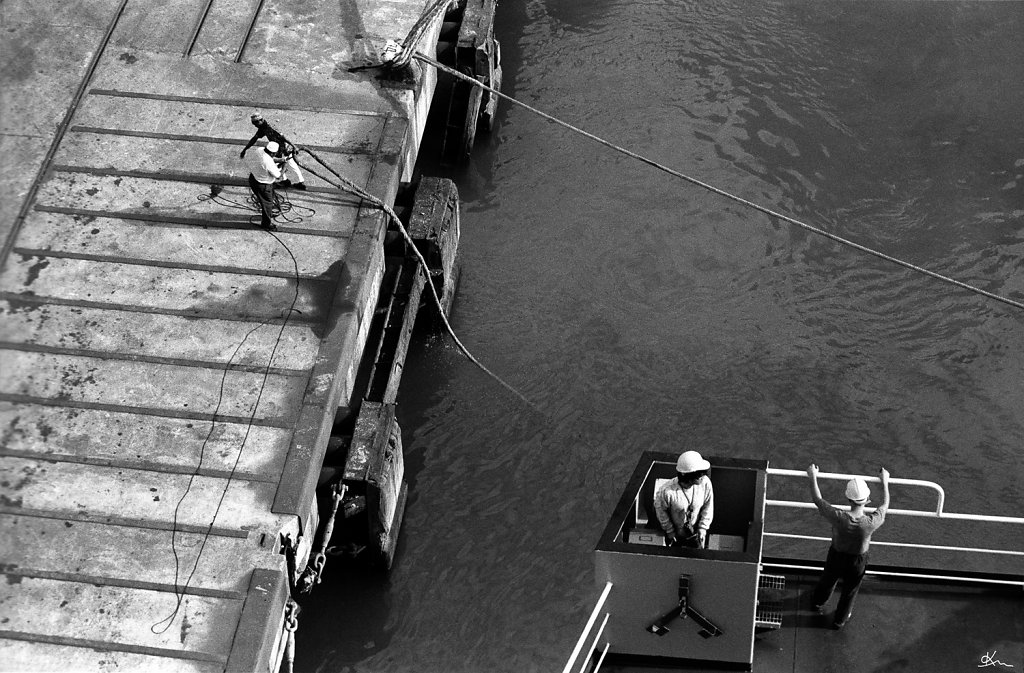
x: 639, y: 312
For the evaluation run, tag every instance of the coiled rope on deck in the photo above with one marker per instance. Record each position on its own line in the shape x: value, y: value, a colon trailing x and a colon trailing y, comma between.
x: 721, y: 192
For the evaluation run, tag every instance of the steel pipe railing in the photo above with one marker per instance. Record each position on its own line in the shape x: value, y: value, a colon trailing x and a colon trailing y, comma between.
x: 992, y: 518
x: 875, y: 543
x: 884, y: 573
x: 940, y: 494
x: 938, y: 513
x: 586, y: 630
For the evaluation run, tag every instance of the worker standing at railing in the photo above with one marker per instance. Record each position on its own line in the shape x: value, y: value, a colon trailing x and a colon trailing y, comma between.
x: 851, y: 537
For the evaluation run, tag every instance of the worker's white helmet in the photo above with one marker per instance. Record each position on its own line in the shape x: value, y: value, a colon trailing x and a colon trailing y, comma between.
x: 857, y: 490
x: 690, y: 461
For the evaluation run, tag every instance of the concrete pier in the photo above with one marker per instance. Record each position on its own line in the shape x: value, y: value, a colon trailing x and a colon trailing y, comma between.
x: 169, y: 373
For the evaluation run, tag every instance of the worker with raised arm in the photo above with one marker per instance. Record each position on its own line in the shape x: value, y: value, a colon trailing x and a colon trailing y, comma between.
x: 285, y: 154
x: 851, y: 537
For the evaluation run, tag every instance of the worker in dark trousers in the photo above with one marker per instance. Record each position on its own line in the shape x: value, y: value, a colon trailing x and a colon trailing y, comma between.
x: 851, y: 536
x: 293, y: 176
x: 264, y: 173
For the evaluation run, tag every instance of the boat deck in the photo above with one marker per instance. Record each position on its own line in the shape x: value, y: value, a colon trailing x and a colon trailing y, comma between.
x: 171, y: 372
x: 944, y: 591
x: 896, y: 626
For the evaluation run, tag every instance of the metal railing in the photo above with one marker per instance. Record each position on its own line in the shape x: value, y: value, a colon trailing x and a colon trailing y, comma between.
x: 941, y: 497
x: 937, y: 513
x: 571, y: 665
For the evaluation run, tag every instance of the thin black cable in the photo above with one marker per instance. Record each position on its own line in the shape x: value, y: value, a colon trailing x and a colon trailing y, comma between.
x: 282, y: 205
x: 215, y: 196
x: 179, y: 590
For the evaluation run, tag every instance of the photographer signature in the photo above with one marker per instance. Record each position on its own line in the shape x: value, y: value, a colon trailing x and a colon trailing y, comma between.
x: 990, y: 660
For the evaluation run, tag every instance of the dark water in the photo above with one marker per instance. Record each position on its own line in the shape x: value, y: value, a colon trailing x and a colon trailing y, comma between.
x: 639, y: 312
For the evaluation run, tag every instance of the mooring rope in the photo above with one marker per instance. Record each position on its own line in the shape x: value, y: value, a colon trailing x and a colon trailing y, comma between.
x: 721, y: 192
x: 418, y: 30
x: 348, y: 185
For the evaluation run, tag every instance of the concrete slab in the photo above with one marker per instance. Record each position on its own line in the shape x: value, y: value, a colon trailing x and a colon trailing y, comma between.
x: 223, y: 32
x: 26, y: 656
x: 37, y: 83
x: 127, y: 154
x: 73, y: 489
x: 140, y: 311
x: 151, y: 386
x: 93, y: 613
x: 328, y: 37
x: 92, y: 551
x: 120, y: 438
x: 353, y: 132
x: 175, y: 201
x: 152, y: 335
x: 113, y: 239
x: 26, y: 151
x: 231, y: 295
x: 269, y: 86
x: 162, y: 27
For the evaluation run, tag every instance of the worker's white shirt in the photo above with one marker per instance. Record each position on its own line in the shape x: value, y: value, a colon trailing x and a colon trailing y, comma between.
x: 263, y: 167
x: 677, y: 506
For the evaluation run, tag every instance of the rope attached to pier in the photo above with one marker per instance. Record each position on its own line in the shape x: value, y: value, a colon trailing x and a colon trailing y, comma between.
x: 349, y: 186
x: 721, y: 192
x: 418, y: 30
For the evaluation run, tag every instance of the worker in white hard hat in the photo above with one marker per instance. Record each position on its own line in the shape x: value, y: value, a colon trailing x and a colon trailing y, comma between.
x: 851, y: 537
x: 686, y: 505
x: 264, y: 173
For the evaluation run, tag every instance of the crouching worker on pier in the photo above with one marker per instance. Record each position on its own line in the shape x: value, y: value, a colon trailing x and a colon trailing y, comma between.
x: 293, y: 176
x: 686, y: 505
x: 264, y: 172
x: 851, y: 536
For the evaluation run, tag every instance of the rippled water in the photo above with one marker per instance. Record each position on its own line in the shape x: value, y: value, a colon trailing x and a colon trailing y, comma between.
x: 639, y: 312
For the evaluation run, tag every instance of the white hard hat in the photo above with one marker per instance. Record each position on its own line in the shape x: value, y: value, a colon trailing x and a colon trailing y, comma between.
x: 857, y: 490
x: 273, y: 147
x: 690, y: 461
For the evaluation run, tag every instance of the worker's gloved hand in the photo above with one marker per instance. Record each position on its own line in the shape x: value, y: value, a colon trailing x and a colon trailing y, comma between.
x: 703, y: 538
x: 242, y: 155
